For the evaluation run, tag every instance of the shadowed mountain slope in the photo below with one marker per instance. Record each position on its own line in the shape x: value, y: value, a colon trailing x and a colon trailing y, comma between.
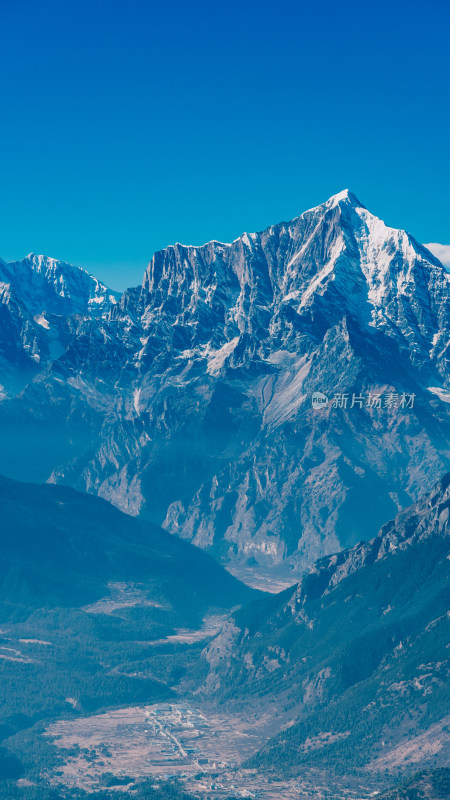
x: 358, y: 651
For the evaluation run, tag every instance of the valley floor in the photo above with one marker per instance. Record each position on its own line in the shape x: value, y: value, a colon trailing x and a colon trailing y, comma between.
x: 192, y: 742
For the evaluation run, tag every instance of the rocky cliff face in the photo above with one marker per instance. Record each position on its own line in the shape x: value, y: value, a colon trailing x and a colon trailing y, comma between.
x: 190, y: 399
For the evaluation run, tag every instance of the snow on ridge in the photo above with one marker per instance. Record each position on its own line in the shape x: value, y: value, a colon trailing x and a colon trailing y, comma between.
x: 199, y: 246
x: 443, y: 394
x: 39, y: 279
x: 333, y: 201
x: 217, y: 358
x: 326, y: 270
x: 40, y: 319
x: 345, y: 194
x: 336, y: 198
x: 53, y: 265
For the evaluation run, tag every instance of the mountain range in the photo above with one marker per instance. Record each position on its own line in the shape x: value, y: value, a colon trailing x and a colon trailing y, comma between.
x: 188, y: 400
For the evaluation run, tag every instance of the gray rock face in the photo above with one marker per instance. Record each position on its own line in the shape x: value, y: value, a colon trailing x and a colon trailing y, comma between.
x: 189, y: 400
x: 300, y: 607
x: 426, y: 520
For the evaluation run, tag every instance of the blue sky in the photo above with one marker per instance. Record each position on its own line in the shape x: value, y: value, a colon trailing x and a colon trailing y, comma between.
x: 127, y: 126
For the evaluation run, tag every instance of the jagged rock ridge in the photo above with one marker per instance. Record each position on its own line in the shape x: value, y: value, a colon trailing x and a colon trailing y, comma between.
x: 189, y: 400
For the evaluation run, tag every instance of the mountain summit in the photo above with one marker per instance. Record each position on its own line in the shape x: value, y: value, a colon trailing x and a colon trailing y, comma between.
x: 38, y: 295
x: 190, y: 400
x: 336, y: 259
x: 46, y: 284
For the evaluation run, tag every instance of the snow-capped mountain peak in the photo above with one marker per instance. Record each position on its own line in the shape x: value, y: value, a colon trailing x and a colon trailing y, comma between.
x: 47, y: 284
x: 194, y: 391
x: 346, y: 196
x: 337, y: 256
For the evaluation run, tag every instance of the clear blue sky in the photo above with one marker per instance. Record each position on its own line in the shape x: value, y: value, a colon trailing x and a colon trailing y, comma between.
x: 127, y: 126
